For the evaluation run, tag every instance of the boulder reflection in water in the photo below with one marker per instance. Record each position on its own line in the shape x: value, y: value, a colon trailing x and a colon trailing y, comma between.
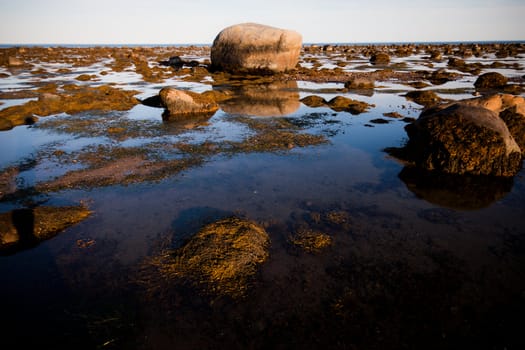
x: 463, y: 192
x: 269, y: 99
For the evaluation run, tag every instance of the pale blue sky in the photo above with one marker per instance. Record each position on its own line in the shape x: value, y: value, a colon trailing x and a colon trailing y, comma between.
x: 198, y: 21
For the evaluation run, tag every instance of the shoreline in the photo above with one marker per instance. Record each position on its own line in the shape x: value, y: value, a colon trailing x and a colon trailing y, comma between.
x: 356, y: 44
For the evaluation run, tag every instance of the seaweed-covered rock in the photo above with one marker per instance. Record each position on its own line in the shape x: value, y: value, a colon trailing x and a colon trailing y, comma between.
x: 221, y: 257
x: 510, y: 108
x: 360, y: 83
x: 252, y: 47
x: 463, y: 139
x: 341, y: 103
x: 491, y: 80
x: 184, y: 104
x: 313, y: 101
x: 380, y: 58
x: 25, y: 228
x: 310, y: 241
x: 441, y: 76
x: 514, y: 118
x: 425, y: 98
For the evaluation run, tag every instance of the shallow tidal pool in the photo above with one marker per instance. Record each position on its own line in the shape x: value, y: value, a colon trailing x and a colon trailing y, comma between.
x: 413, y: 260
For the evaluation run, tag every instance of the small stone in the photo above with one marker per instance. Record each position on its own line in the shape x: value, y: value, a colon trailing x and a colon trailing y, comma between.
x: 184, y: 104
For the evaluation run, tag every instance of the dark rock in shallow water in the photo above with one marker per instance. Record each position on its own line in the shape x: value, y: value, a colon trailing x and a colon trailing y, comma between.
x: 380, y: 58
x: 423, y: 97
x: 491, y: 80
x: 379, y: 121
x: 341, y: 103
x: 152, y: 101
x: 175, y: 62
x: 313, y: 101
x: 360, y: 83
x: 456, y: 62
x: 511, y: 109
x: 441, y: 76
x: 251, y: 47
x: 515, y: 121
x: 462, y: 139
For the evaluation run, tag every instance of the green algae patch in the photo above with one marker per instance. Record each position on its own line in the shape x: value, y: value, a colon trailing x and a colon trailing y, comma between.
x: 74, y: 99
x: 25, y: 228
x: 221, y: 258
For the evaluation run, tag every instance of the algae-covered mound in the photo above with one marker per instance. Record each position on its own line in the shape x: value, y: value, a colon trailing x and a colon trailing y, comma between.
x: 71, y: 99
x: 221, y: 257
x: 25, y: 228
x: 311, y: 241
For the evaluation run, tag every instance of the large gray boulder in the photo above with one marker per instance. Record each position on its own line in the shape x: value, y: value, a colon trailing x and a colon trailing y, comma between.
x: 252, y: 47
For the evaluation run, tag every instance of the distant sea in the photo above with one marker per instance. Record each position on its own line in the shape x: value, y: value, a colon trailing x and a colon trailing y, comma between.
x: 306, y: 43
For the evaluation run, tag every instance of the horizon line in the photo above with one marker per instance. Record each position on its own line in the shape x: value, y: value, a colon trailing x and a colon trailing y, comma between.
x: 4, y: 45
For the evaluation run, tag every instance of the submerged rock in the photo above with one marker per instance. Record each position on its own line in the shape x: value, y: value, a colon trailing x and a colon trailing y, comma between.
x: 310, y: 241
x: 25, y: 228
x: 186, y: 104
x: 221, y: 257
x: 251, y: 47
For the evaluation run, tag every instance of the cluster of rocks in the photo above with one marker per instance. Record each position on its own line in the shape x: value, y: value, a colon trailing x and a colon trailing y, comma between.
x: 479, y: 136
x: 338, y: 104
x: 469, y: 136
